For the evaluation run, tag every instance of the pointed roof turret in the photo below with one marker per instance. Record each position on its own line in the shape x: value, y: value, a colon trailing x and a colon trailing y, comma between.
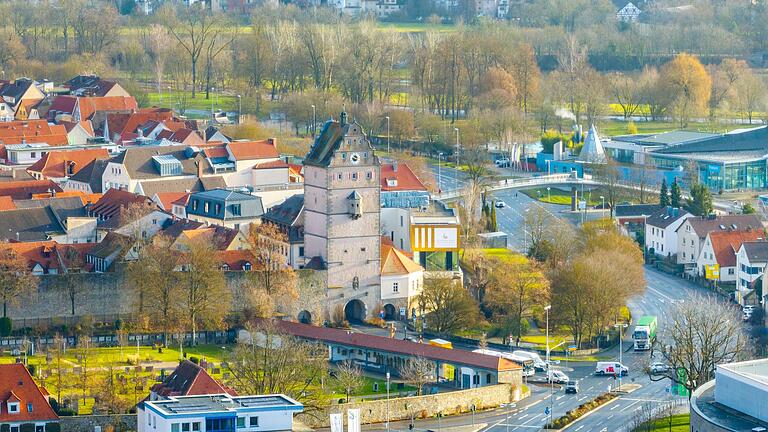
x: 593, y: 151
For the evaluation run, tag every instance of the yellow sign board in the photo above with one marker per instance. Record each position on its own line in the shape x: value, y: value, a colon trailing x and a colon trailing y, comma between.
x: 712, y: 271
x: 434, y: 237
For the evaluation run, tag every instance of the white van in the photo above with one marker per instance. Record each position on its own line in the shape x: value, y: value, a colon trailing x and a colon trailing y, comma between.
x: 538, y: 363
x: 556, y: 376
x: 611, y: 368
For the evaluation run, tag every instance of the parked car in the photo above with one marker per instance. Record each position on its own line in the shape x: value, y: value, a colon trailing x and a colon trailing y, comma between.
x: 658, y: 368
x: 748, y: 309
x: 557, y: 377
x: 500, y: 204
x: 538, y: 362
x: 502, y: 163
x: 611, y: 368
x: 572, y: 387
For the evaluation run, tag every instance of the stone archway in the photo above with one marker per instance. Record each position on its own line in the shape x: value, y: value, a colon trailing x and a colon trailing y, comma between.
x: 355, y: 311
x: 305, y: 317
x: 390, y: 312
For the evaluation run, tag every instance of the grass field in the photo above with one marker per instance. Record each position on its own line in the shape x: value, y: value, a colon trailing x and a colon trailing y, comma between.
x: 562, y: 196
x: 680, y: 423
x: 619, y: 127
x: 177, y: 99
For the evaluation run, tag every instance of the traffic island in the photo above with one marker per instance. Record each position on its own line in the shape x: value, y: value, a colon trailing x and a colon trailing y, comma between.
x: 582, y: 411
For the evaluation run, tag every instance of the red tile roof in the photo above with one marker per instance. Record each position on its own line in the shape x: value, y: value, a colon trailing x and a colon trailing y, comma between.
x: 31, y: 131
x: 167, y: 199
x: 122, y: 123
x: 86, y: 124
x: 6, y: 203
x: 64, y: 104
x: 216, y: 152
x: 54, y: 164
x: 725, y: 244
x: 92, y: 105
x: 50, y: 254
x: 21, y: 190
x: 397, y: 346
x: 189, y: 379
x: 183, y: 135
x: 271, y: 165
x: 250, y: 150
x: 113, y: 201
x: 235, y: 259
x: 16, y: 382
x: 396, y: 262
x: 403, y: 176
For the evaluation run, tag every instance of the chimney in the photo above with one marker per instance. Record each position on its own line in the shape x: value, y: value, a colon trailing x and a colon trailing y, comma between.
x: 394, y: 166
x: 199, y: 169
x: 272, y: 141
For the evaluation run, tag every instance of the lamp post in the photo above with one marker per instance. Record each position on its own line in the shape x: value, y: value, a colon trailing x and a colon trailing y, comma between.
x: 549, y: 375
x: 387, y: 401
x: 458, y: 146
x: 549, y: 196
x: 621, y: 327
x: 602, y: 198
x: 387, y: 117
x: 439, y: 176
x: 239, y: 109
x: 314, y: 120
x: 213, y: 89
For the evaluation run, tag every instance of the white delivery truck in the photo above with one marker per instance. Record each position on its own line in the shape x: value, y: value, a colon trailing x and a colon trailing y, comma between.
x: 611, y: 368
x: 525, y: 362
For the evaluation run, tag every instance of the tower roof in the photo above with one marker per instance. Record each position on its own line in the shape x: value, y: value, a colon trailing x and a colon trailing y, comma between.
x: 330, y: 140
x: 593, y: 151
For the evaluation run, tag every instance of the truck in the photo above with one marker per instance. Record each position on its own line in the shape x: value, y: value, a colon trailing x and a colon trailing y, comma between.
x: 645, y: 332
x: 538, y: 363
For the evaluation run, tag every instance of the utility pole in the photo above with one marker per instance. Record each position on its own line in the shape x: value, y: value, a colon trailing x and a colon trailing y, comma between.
x: 387, y: 117
x: 458, y: 146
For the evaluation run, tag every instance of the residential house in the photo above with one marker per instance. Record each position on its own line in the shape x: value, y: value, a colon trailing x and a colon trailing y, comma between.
x: 112, y: 248
x: 188, y: 379
x: 435, y: 232
x: 50, y: 257
x: 717, y: 259
x: 35, y: 133
x: 632, y: 217
x: 231, y: 209
x: 92, y: 85
x: 61, y: 165
x: 70, y: 213
x: 128, y: 214
x: 22, y: 190
x: 88, y: 179
x: 18, y: 100
x: 235, y: 260
x: 96, y: 109
x: 629, y: 13
x: 181, y: 136
x: 220, y: 412
x: 246, y: 155
x: 165, y: 200
x: 693, y: 231
x: 402, y: 194
x: 78, y: 133
x: 751, y: 260
x: 289, y: 217
x: 218, y: 237
x: 661, y: 230
x: 401, y: 282
x: 121, y: 128
x: 213, y: 134
x: 25, y: 406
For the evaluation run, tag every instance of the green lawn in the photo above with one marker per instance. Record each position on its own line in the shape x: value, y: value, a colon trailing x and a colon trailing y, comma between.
x: 680, y: 423
x: 619, y: 127
x: 177, y: 99
x: 562, y: 196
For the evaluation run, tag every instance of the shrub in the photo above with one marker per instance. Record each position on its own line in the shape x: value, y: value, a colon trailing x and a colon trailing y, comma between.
x: 6, y: 325
x: 32, y: 369
x: 631, y: 128
x: 66, y: 412
x: 377, y: 322
x: 194, y: 359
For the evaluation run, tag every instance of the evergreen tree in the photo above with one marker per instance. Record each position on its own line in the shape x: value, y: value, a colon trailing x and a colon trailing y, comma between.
x: 700, y: 202
x: 664, y: 193
x: 675, y: 194
x: 493, y: 219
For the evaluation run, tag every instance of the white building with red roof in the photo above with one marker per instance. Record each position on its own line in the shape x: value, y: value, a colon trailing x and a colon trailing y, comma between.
x: 23, y: 402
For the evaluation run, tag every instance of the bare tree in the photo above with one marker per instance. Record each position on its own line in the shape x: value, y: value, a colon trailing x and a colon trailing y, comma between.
x: 418, y: 371
x: 206, y: 297
x: 349, y: 377
x: 702, y: 332
x: 16, y: 281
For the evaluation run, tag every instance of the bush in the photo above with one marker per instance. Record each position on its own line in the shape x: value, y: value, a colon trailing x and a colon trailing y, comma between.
x: 631, y: 128
x: 66, y: 412
x: 32, y: 369
x: 584, y: 408
x: 194, y: 359
x: 377, y: 322
x: 6, y: 325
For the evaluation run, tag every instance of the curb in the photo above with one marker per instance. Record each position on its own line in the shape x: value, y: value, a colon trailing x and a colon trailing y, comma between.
x: 587, y: 414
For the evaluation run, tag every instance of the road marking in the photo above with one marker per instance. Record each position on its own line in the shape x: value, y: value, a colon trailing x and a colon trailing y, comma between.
x: 523, y: 416
x: 609, y: 417
x: 581, y: 398
x: 580, y: 428
x: 614, y: 407
x: 559, y: 397
x: 660, y: 293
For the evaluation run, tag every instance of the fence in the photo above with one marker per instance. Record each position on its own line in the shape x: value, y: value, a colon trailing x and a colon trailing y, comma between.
x: 204, y: 337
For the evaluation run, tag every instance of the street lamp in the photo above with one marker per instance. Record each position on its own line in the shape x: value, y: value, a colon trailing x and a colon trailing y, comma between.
x: 549, y: 373
x: 314, y: 120
x: 439, y: 176
x: 387, y: 401
x: 239, y: 109
x: 602, y: 198
x: 458, y: 146
x: 213, y: 90
x: 621, y: 327
x: 387, y: 117
x: 549, y: 196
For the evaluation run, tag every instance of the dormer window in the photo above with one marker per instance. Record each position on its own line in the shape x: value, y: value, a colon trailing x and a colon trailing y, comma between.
x: 13, y: 407
x: 355, y: 201
x: 247, y: 266
x: 392, y: 182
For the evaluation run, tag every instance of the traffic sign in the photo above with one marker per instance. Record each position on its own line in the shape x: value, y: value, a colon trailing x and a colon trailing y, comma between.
x: 572, y: 347
x: 546, y: 410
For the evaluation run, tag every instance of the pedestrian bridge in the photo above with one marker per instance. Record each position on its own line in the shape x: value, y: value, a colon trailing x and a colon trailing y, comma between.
x: 520, y: 183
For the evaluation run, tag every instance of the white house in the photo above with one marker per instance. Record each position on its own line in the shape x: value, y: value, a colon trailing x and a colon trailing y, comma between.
x: 401, y: 281
x: 629, y: 13
x: 693, y: 231
x: 718, y: 253
x: 751, y: 260
x: 221, y: 412
x: 661, y: 230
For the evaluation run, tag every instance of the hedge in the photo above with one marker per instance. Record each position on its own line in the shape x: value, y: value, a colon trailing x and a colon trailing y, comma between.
x: 572, y: 416
x: 52, y: 427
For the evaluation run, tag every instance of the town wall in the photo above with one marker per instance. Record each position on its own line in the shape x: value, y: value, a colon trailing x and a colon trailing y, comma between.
x: 117, y: 423
x: 418, y: 407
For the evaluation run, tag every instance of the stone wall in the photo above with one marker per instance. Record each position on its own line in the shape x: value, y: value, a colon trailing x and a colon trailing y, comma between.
x: 450, y: 403
x: 87, y: 423
x: 107, y: 296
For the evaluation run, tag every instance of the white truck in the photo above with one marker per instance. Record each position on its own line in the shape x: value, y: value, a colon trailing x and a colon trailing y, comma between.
x: 611, y: 368
x: 538, y: 363
x: 525, y: 362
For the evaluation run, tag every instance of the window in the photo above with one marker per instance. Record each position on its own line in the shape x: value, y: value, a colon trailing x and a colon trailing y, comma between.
x: 236, y: 210
x: 174, y: 427
x: 194, y: 204
x: 205, y: 207
x: 195, y: 426
x: 369, y: 175
x: 39, y: 428
x: 29, y: 407
x: 339, y: 176
x: 14, y: 429
x: 730, y: 271
x: 185, y: 427
x: 240, y: 422
x: 487, y: 378
x: 254, y: 422
x: 247, y: 266
x: 217, y: 208
x: 344, y: 156
x: 354, y: 176
x: 395, y: 287
x: 301, y: 251
x: 33, y: 154
x: 13, y: 407
x: 401, y: 220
